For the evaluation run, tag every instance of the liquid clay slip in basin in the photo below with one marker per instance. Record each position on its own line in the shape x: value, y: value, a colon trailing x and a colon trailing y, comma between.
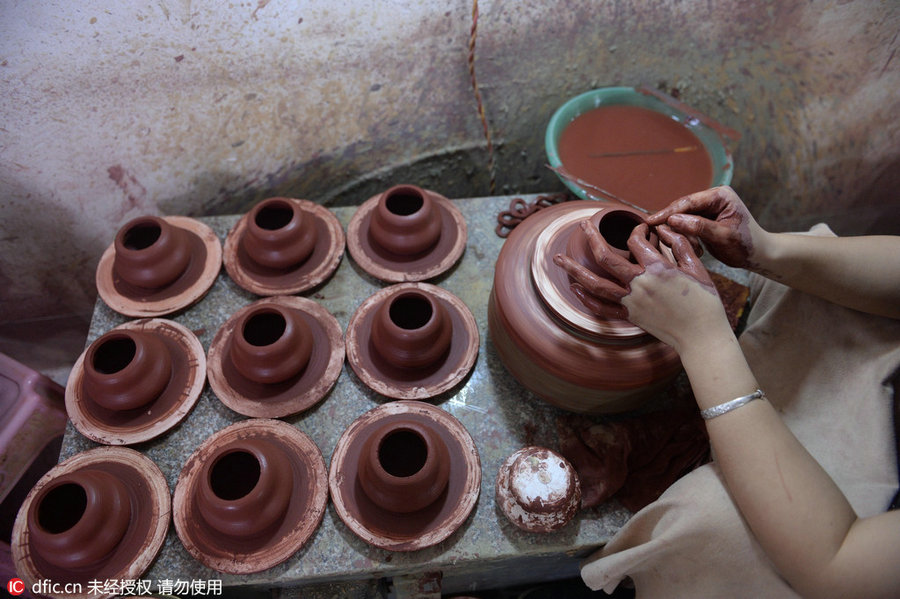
x: 405, y: 476
x: 136, y: 382
x: 406, y: 234
x: 548, y: 340
x: 276, y: 357
x: 250, y: 496
x: 100, y: 515
x: 158, y: 265
x: 284, y: 246
x: 412, y: 341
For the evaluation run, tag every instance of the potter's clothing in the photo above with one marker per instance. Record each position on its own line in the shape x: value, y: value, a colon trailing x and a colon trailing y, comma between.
x: 827, y: 370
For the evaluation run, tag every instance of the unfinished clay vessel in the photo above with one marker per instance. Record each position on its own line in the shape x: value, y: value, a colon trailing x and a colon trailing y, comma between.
x: 538, y: 490
x: 412, y: 341
x: 250, y: 496
x: 102, y: 514
x: 404, y: 476
x: 404, y: 466
x: 548, y: 339
x: 136, y: 382
x: 158, y: 265
x: 406, y: 233
x: 276, y: 357
x: 284, y: 246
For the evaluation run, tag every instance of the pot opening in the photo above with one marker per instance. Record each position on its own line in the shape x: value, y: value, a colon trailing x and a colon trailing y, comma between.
x: 410, y: 311
x: 62, y: 508
x: 141, y: 236
x: 404, y: 203
x: 113, y: 355
x: 616, y: 227
x: 402, y: 453
x: 274, y: 215
x: 264, y: 328
x: 234, y: 475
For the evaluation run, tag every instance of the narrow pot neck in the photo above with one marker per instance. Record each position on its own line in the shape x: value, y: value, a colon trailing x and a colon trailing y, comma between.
x: 405, y: 221
x: 271, y: 344
x: 126, y: 369
x: 411, y: 330
x: 151, y: 253
x: 279, y: 235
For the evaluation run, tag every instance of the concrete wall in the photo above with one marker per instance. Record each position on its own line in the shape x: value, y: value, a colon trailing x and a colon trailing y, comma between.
x: 110, y: 109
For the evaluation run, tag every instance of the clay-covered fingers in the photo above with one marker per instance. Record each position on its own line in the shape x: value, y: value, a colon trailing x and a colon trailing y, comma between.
x: 709, y: 203
x: 642, y: 247
x: 599, y: 307
x: 606, y: 258
x: 684, y: 254
x: 589, y: 281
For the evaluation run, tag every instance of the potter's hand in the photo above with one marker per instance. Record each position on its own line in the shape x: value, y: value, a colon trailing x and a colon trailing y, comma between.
x: 600, y: 295
x: 721, y: 220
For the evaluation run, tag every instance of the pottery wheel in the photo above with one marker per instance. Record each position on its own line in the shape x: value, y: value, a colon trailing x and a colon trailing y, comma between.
x: 304, y: 514
x: 127, y: 427
x: 316, y: 269
x: 553, y: 285
x: 294, y: 395
x: 416, y: 530
x: 422, y: 383
x: 398, y: 269
x: 201, y: 273
x: 149, y: 495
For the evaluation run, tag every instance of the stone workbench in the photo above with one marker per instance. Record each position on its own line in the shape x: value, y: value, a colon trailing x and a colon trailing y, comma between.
x: 487, y: 551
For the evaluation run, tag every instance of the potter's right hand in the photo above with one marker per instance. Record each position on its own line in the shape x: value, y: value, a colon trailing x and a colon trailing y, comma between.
x: 721, y: 220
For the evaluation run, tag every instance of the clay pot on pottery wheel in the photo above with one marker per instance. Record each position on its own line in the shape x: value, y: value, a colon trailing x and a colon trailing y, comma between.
x: 284, y: 246
x: 158, y: 265
x: 136, y: 382
x: 538, y: 490
x: 275, y: 357
x: 250, y: 496
x: 404, y: 476
x: 102, y: 514
x: 406, y: 234
x: 412, y: 341
x: 546, y: 337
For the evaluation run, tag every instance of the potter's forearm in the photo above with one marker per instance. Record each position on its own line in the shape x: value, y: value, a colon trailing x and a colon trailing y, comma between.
x: 797, y: 513
x: 856, y: 272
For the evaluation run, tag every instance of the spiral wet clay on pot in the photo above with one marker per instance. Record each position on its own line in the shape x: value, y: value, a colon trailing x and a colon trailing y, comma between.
x: 278, y: 235
x: 412, y: 330
x: 271, y: 344
x: 124, y: 370
x: 404, y: 466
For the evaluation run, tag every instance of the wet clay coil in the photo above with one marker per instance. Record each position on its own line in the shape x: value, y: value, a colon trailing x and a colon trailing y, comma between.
x: 136, y: 382
x: 158, y: 265
x: 250, y: 496
x: 550, y: 342
x: 406, y: 234
x: 284, y: 246
x: 406, y: 448
x: 100, y: 515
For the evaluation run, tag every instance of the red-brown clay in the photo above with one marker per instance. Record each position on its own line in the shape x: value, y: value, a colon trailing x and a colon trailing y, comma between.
x: 272, y: 344
x: 250, y: 496
x: 406, y: 234
x: 550, y: 342
x: 279, y: 235
x: 276, y: 357
x: 412, y: 330
x: 100, y: 515
x: 405, y: 530
x: 614, y: 225
x: 412, y: 341
x: 124, y: 369
x: 136, y: 382
x: 404, y: 466
x: 284, y: 246
x: 538, y: 490
x: 158, y: 265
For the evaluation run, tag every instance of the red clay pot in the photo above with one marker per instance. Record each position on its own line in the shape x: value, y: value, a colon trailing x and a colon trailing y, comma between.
x: 406, y: 221
x: 80, y: 519
x: 245, y: 488
x: 412, y: 330
x: 404, y: 466
x: 126, y: 369
x: 151, y: 253
x: 279, y: 236
x: 614, y: 225
x: 271, y: 344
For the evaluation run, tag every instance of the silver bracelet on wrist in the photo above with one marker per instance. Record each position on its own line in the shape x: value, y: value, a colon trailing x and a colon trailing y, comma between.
x: 735, y: 403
